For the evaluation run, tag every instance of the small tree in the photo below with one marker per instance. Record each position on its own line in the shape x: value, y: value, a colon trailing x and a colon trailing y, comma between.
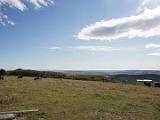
x: 2, y: 72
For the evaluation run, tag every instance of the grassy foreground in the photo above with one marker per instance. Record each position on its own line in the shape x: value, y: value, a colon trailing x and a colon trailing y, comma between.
x: 79, y: 100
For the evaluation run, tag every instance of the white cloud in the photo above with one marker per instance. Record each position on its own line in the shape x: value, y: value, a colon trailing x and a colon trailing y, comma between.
x: 96, y: 48
x: 55, y: 48
x: 41, y: 3
x: 154, y: 54
x: 92, y: 48
x: 148, y: 4
x: 152, y: 46
x: 14, y: 3
x: 144, y: 25
x: 11, y: 23
x: 100, y: 48
x: 20, y: 5
x: 4, y: 20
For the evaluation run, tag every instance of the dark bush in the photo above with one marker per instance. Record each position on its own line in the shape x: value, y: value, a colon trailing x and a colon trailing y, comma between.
x: 2, y: 72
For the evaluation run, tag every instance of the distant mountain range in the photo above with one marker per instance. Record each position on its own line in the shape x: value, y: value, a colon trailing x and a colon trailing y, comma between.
x: 114, y: 72
x: 129, y: 76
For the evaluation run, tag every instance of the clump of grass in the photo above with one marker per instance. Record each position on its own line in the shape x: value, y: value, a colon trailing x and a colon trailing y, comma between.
x: 5, y: 100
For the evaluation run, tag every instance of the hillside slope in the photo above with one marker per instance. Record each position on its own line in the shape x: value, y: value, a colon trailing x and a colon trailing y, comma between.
x: 59, y: 99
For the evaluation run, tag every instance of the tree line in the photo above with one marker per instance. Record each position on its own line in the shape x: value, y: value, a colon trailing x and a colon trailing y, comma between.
x: 51, y: 74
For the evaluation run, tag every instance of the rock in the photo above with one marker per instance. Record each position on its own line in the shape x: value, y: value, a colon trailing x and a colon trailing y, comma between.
x: 7, y: 117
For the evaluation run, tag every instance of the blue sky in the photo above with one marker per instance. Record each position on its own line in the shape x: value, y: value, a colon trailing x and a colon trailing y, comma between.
x: 80, y: 34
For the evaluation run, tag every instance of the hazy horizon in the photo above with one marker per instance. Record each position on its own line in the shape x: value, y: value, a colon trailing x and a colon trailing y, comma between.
x: 85, y: 70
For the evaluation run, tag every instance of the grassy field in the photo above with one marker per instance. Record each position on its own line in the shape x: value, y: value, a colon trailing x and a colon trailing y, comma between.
x: 79, y: 100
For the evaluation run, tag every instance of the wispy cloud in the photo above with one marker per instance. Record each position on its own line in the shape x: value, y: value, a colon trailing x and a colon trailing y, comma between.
x: 100, y: 48
x: 96, y: 48
x: 92, y: 48
x: 154, y: 54
x: 4, y: 20
x: 55, y: 48
x: 13, y: 4
x: 41, y: 3
x: 152, y: 46
x: 20, y: 5
x: 148, y: 4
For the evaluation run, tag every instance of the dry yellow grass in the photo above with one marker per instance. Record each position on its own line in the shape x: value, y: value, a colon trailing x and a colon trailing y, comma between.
x: 79, y: 100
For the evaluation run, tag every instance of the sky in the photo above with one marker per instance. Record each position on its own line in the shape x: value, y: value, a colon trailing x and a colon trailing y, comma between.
x: 80, y: 34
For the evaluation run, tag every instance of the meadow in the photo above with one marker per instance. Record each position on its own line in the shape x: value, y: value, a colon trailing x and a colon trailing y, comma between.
x: 61, y: 99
